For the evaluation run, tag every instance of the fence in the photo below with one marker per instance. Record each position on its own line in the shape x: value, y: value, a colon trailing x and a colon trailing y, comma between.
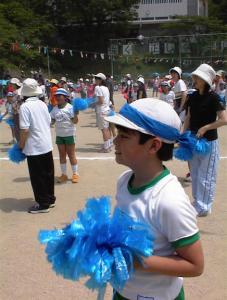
x: 159, y: 53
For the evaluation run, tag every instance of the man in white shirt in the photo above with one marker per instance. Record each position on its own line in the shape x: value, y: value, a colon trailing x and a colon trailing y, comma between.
x: 36, y: 144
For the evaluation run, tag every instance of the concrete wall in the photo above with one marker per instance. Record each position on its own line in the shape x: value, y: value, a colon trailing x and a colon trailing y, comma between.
x: 161, y: 10
x: 155, y: 11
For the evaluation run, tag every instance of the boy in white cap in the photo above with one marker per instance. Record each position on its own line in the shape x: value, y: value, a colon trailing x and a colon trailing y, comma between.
x: 147, y: 130
x: 36, y: 144
x: 205, y: 114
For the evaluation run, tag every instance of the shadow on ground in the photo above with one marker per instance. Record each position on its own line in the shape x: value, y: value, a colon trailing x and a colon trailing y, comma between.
x: 12, y: 204
x: 94, y: 148
x: 21, y: 179
x: 183, y: 182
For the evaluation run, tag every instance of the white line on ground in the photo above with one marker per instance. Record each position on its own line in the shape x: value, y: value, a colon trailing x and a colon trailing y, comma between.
x: 93, y: 158
x: 79, y: 158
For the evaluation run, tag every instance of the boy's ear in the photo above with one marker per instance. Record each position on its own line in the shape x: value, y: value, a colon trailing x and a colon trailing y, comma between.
x: 154, y: 145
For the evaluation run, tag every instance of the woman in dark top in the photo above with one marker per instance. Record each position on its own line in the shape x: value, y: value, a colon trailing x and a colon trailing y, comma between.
x: 204, y: 115
x: 141, y: 92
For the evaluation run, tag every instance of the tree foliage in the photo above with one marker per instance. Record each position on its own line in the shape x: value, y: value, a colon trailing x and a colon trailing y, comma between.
x: 62, y: 23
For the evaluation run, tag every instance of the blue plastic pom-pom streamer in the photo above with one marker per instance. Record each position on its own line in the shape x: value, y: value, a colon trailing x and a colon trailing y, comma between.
x: 10, y: 122
x: 190, y: 144
x: 98, y: 245
x: 15, y: 154
x: 80, y: 104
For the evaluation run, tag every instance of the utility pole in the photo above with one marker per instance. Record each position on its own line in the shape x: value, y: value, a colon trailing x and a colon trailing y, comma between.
x: 48, y: 63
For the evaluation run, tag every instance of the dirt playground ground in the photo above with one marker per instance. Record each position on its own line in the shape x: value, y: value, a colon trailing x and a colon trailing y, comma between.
x: 25, y: 273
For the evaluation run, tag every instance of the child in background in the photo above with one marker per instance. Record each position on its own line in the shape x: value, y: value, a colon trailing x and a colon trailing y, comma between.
x: 102, y: 109
x: 167, y: 95
x: 147, y: 130
x: 64, y: 118
x: 9, y: 111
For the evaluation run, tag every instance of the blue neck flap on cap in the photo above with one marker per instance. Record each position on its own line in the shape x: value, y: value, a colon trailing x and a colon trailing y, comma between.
x: 152, y: 126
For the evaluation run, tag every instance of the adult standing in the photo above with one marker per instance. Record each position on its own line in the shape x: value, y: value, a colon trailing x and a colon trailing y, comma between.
x: 204, y: 115
x: 179, y: 89
x: 16, y: 105
x: 36, y: 144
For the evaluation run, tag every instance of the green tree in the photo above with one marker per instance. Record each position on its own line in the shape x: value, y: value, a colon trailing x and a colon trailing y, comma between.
x: 218, y: 9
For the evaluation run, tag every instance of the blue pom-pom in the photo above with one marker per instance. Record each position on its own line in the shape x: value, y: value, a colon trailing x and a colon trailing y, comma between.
x: 50, y: 107
x: 15, y: 154
x: 10, y: 122
x: 1, y: 117
x: 90, y: 101
x: 202, y: 147
x: 98, y: 245
x: 183, y: 153
x: 79, y: 104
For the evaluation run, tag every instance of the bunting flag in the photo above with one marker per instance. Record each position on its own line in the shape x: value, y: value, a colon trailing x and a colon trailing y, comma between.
x: 145, y: 58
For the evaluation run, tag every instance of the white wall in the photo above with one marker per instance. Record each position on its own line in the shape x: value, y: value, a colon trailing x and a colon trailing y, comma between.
x: 158, y: 8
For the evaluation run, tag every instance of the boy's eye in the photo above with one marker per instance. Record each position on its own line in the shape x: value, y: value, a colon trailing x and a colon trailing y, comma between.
x: 123, y: 136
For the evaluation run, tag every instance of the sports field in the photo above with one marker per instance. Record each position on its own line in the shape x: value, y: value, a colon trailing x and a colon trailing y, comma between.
x: 25, y: 273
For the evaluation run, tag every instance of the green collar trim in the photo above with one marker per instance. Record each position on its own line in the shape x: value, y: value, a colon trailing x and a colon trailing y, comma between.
x: 135, y: 191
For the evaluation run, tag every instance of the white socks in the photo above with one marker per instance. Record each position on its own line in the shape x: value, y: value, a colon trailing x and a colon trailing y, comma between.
x: 63, y: 168
x: 75, y: 169
x: 106, y: 145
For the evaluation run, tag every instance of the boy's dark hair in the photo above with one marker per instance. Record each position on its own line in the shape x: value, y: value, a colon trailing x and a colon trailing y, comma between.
x: 164, y: 153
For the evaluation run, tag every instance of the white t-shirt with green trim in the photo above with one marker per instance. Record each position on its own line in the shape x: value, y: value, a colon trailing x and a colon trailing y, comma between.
x: 63, y: 117
x: 167, y: 209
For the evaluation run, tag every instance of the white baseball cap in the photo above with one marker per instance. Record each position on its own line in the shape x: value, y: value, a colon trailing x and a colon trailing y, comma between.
x: 177, y: 70
x: 101, y: 76
x: 15, y: 81
x: 63, y: 79
x: 205, y: 72
x: 157, y: 110
x: 141, y: 79
x: 30, y: 88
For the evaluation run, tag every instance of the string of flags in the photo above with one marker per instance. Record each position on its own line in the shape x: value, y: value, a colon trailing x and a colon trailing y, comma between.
x: 16, y: 47
x: 147, y: 59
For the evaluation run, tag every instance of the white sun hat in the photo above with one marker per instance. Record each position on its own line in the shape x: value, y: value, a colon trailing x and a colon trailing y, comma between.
x: 101, y: 76
x: 155, y: 109
x: 176, y: 69
x: 205, y: 72
x: 141, y: 79
x: 30, y: 88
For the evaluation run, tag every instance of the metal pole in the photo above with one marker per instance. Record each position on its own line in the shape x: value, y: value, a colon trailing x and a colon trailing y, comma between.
x: 48, y: 63
x: 179, y: 45
x: 111, y: 58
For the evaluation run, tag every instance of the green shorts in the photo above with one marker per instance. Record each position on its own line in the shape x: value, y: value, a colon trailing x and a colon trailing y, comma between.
x: 65, y: 140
